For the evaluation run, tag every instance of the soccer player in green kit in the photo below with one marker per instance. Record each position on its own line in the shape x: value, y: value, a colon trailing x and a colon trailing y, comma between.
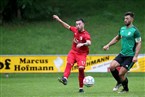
x: 131, y: 44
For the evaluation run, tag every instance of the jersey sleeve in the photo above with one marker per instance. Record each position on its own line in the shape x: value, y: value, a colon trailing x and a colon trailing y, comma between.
x: 87, y: 36
x: 119, y: 32
x: 137, y: 36
x: 73, y: 29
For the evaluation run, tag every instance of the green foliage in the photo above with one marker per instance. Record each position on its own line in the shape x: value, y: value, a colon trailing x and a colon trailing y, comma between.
x: 27, y: 10
x: 43, y: 9
x: 3, y: 4
x: 46, y: 85
x: 39, y: 10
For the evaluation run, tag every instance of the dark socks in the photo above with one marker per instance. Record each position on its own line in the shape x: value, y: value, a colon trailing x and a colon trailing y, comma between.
x: 115, y: 74
x: 125, y: 84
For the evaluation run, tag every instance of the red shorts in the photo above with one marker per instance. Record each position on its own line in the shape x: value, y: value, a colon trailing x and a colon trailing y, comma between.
x: 75, y: 57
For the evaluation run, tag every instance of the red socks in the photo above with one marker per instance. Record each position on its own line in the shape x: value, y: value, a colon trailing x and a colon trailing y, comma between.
x: 81, y: 77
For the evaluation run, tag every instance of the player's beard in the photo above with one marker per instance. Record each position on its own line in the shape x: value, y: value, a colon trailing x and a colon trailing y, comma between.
x: 127, y: 23
x: 80, y: 29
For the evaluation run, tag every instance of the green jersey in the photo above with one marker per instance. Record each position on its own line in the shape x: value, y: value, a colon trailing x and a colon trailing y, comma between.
x: 129, y: 37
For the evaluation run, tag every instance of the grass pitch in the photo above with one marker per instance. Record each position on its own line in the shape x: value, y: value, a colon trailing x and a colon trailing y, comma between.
x: 46, y: 85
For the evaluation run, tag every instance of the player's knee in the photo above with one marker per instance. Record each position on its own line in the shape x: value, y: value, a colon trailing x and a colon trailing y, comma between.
x: 122, y: 76
x: 69, y: 63
x: 113, y: 65
x: 112, y: 68
x: 122, y: 71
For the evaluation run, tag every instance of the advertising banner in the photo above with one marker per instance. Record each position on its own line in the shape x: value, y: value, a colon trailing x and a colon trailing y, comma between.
x: 57, y: 63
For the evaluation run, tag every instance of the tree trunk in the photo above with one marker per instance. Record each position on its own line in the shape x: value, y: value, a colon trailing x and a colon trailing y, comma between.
x: 10, y: 10
x: 1, y: 17
x: 19, y: 15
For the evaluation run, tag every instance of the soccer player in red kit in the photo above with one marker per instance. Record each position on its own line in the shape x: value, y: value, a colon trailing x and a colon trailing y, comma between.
x: 79, y: 50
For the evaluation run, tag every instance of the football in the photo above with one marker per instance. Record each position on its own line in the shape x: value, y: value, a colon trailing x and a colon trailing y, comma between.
x: 88, y: 81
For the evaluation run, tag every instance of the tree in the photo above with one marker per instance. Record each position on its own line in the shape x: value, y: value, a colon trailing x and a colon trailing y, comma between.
x: 26, y: 9
x: 3, y: 3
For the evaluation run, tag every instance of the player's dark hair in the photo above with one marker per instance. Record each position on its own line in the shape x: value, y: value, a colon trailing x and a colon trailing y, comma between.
x: 129, y: 13
x: 80, y: 19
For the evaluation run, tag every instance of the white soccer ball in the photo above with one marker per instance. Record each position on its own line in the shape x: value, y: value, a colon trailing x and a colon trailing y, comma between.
x: 88, y: 81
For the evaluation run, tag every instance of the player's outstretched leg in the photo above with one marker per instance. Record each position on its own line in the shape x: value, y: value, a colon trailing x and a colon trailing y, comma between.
x: 66, y: 74
x: 63, y: 80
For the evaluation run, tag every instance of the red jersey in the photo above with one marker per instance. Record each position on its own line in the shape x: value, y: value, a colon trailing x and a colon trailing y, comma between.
x: 80, y: 37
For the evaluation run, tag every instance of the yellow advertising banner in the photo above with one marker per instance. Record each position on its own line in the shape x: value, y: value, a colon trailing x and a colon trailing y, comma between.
x: 57, y: 63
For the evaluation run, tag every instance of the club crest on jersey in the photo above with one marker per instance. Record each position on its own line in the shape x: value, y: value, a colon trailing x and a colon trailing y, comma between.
x: 129, y: 33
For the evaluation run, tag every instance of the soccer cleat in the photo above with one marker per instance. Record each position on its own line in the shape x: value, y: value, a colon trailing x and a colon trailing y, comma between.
x: 123, y: 91
x: 63, y: 80
x: 117, y: 87
x: 81, y: 91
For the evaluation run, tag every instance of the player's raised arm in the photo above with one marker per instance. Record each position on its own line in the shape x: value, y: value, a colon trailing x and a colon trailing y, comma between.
x: 113, y: 41
x: 67, y: 26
